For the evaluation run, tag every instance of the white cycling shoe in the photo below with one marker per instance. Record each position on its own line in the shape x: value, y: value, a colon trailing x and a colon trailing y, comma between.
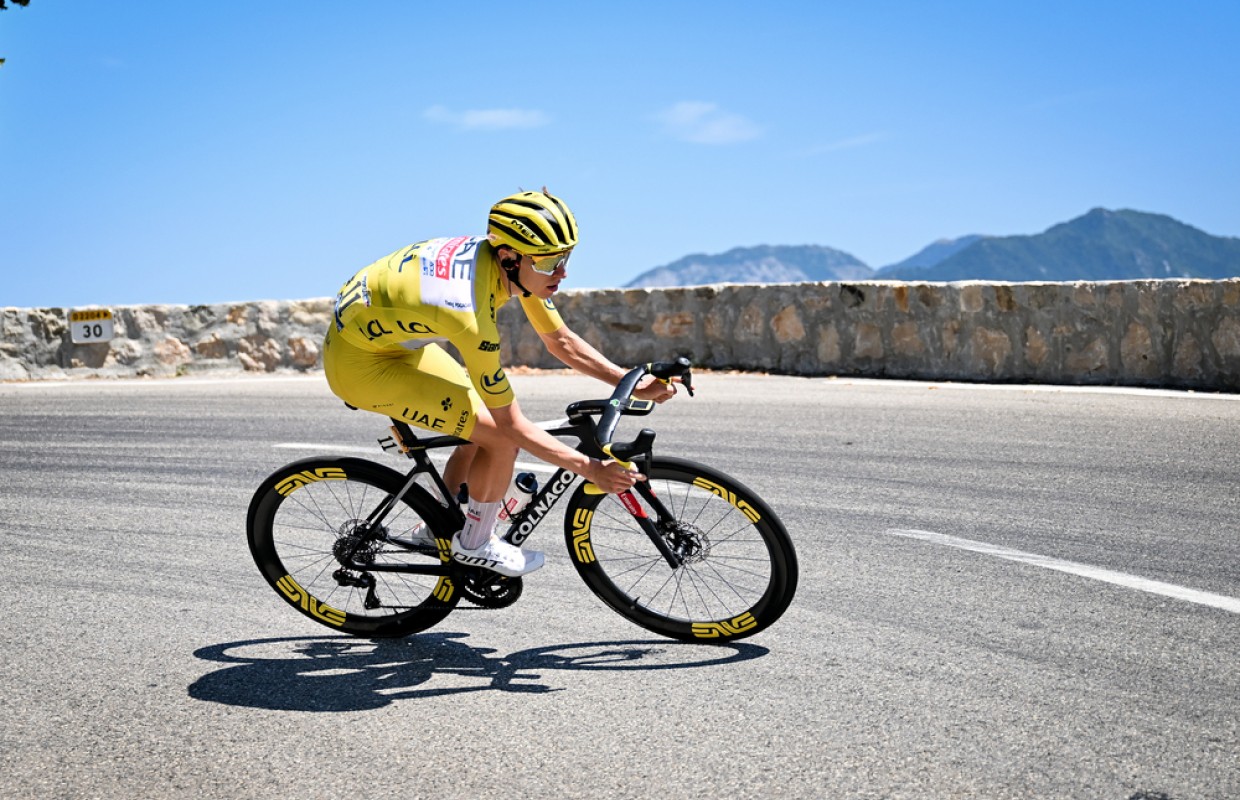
x: 497, y: 555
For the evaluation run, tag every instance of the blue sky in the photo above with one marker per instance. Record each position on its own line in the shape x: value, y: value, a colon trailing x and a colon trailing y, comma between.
x: 193, y: 152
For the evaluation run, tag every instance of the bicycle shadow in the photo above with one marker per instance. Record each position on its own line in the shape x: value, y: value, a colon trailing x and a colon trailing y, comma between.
x: 332, y: 674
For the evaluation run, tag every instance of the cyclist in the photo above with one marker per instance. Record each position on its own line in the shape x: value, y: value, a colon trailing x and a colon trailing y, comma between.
x: 382, y: 353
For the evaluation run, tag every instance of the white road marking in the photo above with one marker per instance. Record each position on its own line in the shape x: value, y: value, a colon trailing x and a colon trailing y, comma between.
x: 95, y: 383
x: 333, y: 448
x: 1039, y: 388
x: 1084, y: 570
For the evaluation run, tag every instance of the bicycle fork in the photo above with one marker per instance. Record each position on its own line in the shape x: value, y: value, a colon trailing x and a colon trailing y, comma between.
x: 664, y: 517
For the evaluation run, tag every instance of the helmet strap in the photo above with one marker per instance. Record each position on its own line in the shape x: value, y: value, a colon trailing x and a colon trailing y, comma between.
x: 513, y: 272
x: 512, y: 268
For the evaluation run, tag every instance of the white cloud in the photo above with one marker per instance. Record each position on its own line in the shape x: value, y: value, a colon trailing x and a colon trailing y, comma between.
x: 706, y: 123
x: 852, y: 142
x: 490, y: 119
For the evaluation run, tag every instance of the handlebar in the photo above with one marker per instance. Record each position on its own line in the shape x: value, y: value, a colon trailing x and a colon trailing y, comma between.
x: 680, y: 370
x: 610, y: 410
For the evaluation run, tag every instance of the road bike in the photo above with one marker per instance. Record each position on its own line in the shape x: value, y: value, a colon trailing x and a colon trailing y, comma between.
x: 689, y: 553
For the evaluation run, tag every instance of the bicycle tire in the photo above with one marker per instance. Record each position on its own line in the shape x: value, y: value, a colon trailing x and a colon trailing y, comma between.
x: 740, y: 569
x: 301, y: 519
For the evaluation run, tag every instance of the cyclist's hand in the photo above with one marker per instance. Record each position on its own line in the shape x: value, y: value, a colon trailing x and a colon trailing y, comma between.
x: 614, y: 477
x: 652, y: 388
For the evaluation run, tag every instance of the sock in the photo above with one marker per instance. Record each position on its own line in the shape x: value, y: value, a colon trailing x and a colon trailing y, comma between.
x: 479, y: 523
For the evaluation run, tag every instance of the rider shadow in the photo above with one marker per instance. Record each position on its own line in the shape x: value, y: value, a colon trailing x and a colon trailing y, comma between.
x: 349, y: 674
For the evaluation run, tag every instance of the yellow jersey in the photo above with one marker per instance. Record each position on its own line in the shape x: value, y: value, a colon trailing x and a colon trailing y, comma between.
x: 437, y: 290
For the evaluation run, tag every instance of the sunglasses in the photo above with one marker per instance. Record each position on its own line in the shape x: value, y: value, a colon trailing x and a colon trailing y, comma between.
x: 547, y: 265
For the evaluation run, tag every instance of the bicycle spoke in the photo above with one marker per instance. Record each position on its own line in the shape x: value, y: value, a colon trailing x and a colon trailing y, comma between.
x: 727, y: 572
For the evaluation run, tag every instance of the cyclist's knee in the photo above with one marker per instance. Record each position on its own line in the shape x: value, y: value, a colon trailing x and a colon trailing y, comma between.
x: 487, y: 436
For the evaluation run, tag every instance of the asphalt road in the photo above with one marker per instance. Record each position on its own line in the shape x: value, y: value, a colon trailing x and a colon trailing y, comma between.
x: 1005, y: 592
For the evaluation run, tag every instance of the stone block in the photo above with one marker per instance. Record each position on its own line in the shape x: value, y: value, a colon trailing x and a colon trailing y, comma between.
x: 258, y: 353
x: 172, y: 352
x: 906, y: 340
x: 787, y: 325
x: 972, y: 300
x: 868, y: 342
x: 303, y: 352
x: 210, y: 347
x: 1086, y: 361
x: 991, y: 351
x: 1136, y: 353
x: 828, y: 347
x: 1036, y: 349
x: 1226, y: 339
x: 676, y: 325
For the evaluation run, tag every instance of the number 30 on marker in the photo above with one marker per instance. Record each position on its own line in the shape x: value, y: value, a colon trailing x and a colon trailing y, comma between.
x: 91, y: 326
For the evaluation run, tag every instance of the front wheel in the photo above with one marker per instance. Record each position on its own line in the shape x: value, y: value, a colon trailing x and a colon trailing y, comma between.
x: 735, y: 567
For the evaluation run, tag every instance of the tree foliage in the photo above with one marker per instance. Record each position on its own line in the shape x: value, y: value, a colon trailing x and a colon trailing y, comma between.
x: 4, y: 6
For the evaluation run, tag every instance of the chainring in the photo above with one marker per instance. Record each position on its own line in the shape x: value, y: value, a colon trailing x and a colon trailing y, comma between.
x: 488, y: 590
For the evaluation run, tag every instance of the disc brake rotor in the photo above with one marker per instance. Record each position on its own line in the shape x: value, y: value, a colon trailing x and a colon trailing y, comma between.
x: 689, y: 542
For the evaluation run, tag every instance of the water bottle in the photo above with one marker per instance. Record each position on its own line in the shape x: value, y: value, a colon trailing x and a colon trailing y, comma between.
x: 522, y: 489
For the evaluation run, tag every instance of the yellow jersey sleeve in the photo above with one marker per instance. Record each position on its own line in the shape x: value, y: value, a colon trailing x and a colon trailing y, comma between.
x: 542, y: 314
x: 478, y: 343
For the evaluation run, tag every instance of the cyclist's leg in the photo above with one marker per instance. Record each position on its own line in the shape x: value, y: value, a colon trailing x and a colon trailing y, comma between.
x: 456, y: 471
x: 423, y: 387
x: 491, y: 471
x: 488, y: 464
x: 427, y: 388
x: 430, y: 389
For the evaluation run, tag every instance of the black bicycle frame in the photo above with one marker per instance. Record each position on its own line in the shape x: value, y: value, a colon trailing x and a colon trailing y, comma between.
x: 539, y: 506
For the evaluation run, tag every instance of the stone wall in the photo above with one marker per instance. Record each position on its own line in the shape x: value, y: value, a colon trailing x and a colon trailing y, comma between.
x: 1174, y: 333
x: 163, y: 341
x: 1183, y: 334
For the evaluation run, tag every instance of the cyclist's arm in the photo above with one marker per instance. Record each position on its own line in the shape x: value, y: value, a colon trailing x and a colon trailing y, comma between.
x: 519, y: 430
x: 579, y: 354
x: 567, y: 346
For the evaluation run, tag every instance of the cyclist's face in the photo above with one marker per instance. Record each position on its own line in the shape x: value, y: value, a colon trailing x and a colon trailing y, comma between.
x: 540, y: 284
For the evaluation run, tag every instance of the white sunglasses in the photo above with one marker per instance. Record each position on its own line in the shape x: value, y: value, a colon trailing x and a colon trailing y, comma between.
x: 547, y: 265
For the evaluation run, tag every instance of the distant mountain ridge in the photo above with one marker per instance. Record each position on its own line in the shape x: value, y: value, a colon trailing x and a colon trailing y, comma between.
x: 1098, y: 246
x: 933, y: 254
x: 761, y: 264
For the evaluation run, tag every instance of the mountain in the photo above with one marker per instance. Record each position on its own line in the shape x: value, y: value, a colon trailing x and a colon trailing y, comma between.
x: 932, y: 254
x: 1099, y: 246
x: 1102, y: 245
x: 761, y: 264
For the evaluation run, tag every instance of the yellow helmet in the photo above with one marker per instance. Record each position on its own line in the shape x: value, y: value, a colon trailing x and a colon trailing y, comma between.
x: 533, y: 223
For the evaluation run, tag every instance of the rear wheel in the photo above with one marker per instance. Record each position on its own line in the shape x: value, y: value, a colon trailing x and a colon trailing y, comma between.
x: 310, y: 537
x: 736, y: 568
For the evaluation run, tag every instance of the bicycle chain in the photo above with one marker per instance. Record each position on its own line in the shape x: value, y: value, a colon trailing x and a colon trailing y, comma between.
x: 499, y: 592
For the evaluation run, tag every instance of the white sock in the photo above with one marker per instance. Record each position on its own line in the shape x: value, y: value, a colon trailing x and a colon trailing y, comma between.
x: 479, y: 523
